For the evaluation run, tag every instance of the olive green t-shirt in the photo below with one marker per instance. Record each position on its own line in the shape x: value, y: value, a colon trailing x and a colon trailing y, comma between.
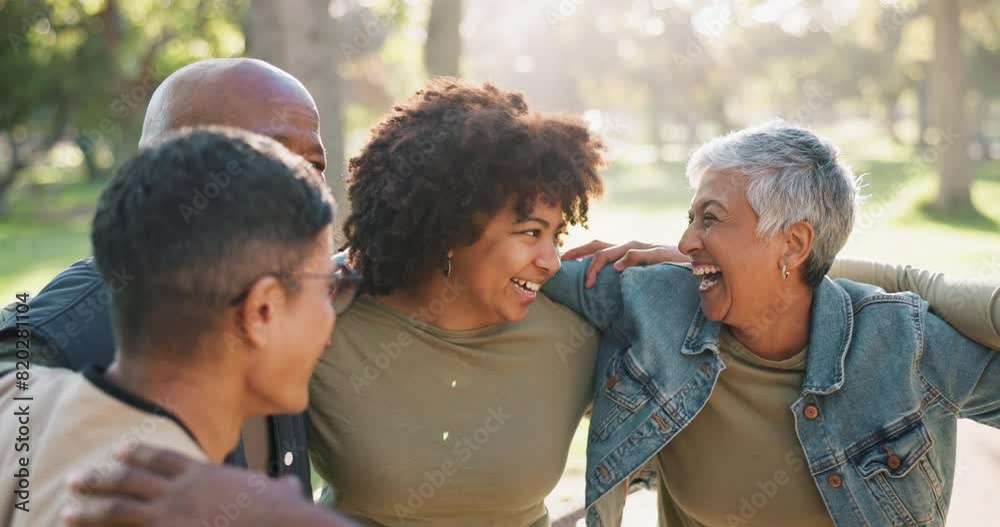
x: 414, y: 425
x: 753, y: 474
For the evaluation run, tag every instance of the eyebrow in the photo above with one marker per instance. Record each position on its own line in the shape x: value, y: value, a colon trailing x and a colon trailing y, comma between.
x: 543, y: 221
x: 711, y: 202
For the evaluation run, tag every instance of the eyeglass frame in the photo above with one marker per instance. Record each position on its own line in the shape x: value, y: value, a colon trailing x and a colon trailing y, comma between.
x: 347, y: 274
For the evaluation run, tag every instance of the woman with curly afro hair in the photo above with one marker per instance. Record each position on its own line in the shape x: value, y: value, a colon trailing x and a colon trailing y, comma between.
x: 452, y: 389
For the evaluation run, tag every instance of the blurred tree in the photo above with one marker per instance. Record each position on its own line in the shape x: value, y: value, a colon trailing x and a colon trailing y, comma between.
x: 948, y: 90
x: 85, y: 69
x: 443, y: 46
x: 303, y: 38
x: 983, y: 29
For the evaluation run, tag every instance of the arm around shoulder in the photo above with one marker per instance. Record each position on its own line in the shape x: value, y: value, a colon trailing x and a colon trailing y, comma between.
x: 966, y: 373
x: 972, y: 307
x: 600, y: 305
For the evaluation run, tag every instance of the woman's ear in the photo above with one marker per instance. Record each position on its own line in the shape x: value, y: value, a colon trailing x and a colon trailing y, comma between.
x: 798, y: 244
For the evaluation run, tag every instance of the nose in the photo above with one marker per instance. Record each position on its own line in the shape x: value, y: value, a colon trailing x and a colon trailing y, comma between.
x: 690, y: 241
x: 548, y: 259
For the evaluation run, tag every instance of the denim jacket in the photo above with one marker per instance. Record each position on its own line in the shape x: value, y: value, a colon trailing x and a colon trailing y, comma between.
x: 885, y: 383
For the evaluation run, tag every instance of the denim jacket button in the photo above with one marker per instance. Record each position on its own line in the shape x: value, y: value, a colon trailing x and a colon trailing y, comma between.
x: 835, y: 481
x: 894, y: 462
x: 811, y: 412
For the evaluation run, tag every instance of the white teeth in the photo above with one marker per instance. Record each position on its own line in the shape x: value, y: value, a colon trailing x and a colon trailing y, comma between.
x: 705, y: 269
x: 529, y: 286
x: 705, y: 272
x: 707, y: 283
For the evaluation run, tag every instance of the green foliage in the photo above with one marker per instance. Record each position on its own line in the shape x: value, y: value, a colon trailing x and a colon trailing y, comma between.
x: 83, y: 71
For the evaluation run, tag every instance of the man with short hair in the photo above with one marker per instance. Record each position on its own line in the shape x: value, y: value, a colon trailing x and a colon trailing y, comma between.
x: 71, y: 323
x: 227, y: 315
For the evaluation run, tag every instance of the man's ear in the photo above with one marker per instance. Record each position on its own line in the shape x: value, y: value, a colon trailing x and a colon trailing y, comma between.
x: 798, y: 244
x: 258, y: 311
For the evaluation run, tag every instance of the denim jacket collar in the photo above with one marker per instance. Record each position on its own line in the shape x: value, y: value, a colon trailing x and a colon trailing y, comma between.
x: 831, y: 328
x: 701, y: 335
x: 830, y: 333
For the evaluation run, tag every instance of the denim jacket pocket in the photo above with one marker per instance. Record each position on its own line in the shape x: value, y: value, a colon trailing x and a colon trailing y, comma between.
x: 621, y: 396
x: 901, y: 477
x: 622, y: 386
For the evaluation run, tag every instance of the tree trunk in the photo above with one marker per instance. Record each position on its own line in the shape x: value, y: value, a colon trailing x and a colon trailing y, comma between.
x: 923, y: 112
x: 654, y: 111
x: 948, y: 107
x: 9, y: 176
x: 692, y: 141
x: 94, y: 172
x: 300, y: 37
x: 443, y: 46
x: 891, y: 103
x: 982, y: 117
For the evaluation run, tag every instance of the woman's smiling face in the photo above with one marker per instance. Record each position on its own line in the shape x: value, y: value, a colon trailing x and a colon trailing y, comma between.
x: 739, y: 271
x: 510, y: 261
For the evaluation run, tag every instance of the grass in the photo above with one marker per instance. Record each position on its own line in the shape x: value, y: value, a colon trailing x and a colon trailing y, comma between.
x: 47, y: 229
x: 48, y: 226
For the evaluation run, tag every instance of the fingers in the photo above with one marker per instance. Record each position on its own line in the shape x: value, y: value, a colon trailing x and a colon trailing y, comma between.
x: 164, y: 462
x: 124, y: 480
x: 585, y: 250
x: 607, y: 255
x: 108, y: 512
x: 652, y: 256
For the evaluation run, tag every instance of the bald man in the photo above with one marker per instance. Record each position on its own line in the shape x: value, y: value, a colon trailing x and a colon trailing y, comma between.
x: 70, y: 317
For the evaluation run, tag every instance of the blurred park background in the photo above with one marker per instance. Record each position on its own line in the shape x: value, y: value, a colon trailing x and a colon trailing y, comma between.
x: 909, y: 89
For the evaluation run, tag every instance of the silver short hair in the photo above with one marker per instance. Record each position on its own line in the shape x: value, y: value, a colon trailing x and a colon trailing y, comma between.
x: 792, y: 175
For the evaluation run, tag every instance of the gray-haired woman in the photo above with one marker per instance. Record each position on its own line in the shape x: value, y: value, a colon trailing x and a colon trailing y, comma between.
x: 767, y: 393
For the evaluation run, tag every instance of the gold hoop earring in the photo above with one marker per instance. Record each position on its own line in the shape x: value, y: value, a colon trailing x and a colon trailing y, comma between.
x: 784, y: 271
x: 447, y: 268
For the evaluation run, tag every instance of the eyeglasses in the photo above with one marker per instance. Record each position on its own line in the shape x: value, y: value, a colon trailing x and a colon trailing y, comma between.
x: 343, y: 288
x: 344, y: 285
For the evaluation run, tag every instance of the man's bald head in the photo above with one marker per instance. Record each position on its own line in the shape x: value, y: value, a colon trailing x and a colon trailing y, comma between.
x: 243, y: 93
